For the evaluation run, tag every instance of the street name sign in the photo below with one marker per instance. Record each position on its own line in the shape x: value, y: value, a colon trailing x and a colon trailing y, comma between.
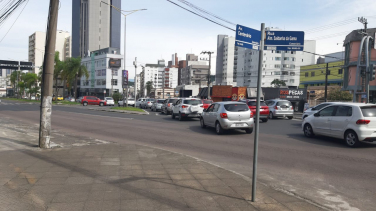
x: 284, y: 40
x: 247, y: 37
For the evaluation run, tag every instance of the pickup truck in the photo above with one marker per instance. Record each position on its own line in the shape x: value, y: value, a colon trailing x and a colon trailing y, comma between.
x: 130, y: 102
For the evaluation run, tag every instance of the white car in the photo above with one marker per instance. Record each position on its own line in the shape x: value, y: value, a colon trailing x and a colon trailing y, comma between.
x: 187, y: 108
x: 353, y: 122
x: 109, y: 101
x: 130, y: 102
x: 139, y: 102
x: 315, y: 109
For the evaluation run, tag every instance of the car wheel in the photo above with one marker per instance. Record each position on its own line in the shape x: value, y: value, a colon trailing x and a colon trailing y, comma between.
x: 100, y: 104
x: 308, y: 132
x: 218, y: 128
x: 351, y: 139
x: 84, y: 104
x: 305, y: 117
x: 290, y: 117
x: 172, y: 116
x: 118, y: 104
x: 180, y: 117
x: 249, y: 130
x: 271, y: 116
x: 264, y: 120
x: 202, y: 123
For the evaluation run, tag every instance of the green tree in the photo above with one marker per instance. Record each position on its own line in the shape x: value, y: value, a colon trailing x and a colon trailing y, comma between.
x: 30, y: 81
x: 149, y: 87
x: 13, y: 80
x: 336, y: 94
x: 58, y: 69
x: 117, y: 96
x: 75, y: 70
x: 278, y: 83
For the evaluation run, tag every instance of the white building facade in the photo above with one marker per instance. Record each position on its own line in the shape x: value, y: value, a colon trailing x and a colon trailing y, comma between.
x: 153, y: 73
x: 171, y: 77
x: 37, y: 43
x: 103, y: 80
x: 226, y: 68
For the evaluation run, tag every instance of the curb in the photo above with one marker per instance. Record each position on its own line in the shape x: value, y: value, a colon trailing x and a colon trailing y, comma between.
x: 119, y: 111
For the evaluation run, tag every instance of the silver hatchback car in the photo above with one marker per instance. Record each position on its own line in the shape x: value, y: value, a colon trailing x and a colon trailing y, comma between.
x: 227, y: 116
x: 157, y: 104
x: 280, y: 108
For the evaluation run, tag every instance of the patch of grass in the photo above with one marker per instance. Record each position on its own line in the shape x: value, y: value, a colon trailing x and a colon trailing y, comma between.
x: 64, y: 102
x: 128, y: 109
x: 22, y: 100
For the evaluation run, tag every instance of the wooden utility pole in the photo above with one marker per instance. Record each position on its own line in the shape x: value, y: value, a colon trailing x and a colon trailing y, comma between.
x: 209, y: 53
x: 47, y: 77
x: 326, y: 81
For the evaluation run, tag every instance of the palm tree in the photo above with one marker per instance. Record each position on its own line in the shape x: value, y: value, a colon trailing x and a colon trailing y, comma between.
x: 76, y: 70
x: 149, y: 87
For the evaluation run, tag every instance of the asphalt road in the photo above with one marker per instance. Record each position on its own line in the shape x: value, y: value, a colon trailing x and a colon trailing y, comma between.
x: 320, y: 169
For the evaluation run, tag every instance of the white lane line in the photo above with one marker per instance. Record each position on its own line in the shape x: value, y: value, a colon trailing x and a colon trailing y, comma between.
x: 94, y: 115
x: 299, y: 120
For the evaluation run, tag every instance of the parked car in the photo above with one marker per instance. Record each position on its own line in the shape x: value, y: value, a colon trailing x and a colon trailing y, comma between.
x: 59, y: 98
x: 130, y: 102
x: 32, y: 97
x: 206, y: 103
x: 167, y: 105
x: 109, y: 101
x: 92, y: 100
x: 228, y: 115
x: 315, y: 109
x: 147, y: 103
x: 78, y: 100
x: 280, y: 108
x: 157, y: 105
x: 352, y: 122
x: 187, y: 108
x: 264, y: 109
x: 70, y: 99
x: 139, y: 102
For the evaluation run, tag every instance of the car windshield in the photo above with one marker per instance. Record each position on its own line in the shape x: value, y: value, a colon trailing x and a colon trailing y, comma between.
x: 284, y: 103
x: 109, y: 98
x: 192, y: 102
x: 236, y: 107
x: 368, y: 111
x: 172, y: 100
x: 160, y: 101
x: 207, y: 102
x: 253, y: 103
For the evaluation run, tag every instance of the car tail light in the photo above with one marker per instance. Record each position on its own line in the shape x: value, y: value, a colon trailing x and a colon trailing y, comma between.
x: 168, y: 105
x: 223, y: 115
x: 363, y: 122
x: 292, y: 108
x: 276, y: 107
x: 184, y: 106
x: 202, y: 106
x: 251, y: 114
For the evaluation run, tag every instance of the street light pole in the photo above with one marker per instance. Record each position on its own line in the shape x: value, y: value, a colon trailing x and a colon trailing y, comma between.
x: 209, y: 53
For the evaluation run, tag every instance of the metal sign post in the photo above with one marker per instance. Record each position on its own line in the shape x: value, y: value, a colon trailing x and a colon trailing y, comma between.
x: 257, y: 120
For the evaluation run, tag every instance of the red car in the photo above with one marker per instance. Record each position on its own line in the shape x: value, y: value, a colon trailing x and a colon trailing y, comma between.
x: 206, y: 103
x: 92, y: 100
x: 264, y: 109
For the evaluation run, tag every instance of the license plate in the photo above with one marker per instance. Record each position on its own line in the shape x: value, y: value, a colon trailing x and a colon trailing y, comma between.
x: 239, y: 124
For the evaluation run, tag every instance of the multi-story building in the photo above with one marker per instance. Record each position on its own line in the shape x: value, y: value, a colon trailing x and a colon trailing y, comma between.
x: 95, y: 25
x: 171, y: 77
x: 37, y: 43
x: 195, y: 74
x: 7, y: 67
x: 153, y: 73
x: 105, y: 77
x: 226, y: 68
x: 182, y: 64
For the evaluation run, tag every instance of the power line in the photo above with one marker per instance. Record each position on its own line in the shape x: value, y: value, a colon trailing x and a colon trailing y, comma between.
x: 201, y: 16
x: 14, y: 21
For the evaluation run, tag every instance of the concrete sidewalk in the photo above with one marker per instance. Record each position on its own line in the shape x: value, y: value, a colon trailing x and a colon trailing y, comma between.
x: 89, y: 174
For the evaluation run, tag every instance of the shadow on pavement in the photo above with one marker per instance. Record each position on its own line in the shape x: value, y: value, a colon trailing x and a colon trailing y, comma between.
x: 211, y: 130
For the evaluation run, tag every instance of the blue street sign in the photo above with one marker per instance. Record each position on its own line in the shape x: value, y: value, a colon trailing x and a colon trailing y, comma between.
x: 284, y: 40
x: 247, y: 37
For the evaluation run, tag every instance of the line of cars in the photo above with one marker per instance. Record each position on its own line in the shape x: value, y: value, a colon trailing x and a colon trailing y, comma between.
x: 92, y: 100
x: 352, y: 122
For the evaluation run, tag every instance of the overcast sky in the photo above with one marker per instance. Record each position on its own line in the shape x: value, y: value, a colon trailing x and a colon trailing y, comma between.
x: 164, y: 29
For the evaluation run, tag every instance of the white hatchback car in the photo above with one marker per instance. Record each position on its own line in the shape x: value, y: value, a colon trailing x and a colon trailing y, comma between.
x: 109, y: 101
x: 187, y: 108
x: 353, y: 122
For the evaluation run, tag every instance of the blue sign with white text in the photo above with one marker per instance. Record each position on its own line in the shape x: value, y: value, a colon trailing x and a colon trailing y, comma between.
x: 247, y: 37
x: 284, y: 40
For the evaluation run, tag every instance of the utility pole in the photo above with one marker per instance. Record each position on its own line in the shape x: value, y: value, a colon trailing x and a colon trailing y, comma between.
x: 135, y: 80
x: 326, y: 81
x: 163, y: 83
x: 209, y: 53
x: 47, y: 77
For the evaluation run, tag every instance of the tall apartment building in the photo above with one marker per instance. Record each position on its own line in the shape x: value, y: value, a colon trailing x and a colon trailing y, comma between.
x: 226, y: 65
x: 37, y: 43
x: 281, y: 65
x: 153, y: 73
x: 95, y: 26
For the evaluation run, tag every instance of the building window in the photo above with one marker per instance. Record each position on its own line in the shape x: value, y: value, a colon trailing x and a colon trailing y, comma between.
x: 285, y: 73
x: 277, y: 73
x: 292, y: 73
x: 114, y: 72
x: 306, y: 74
x: 292, y: 80
x: 312, y: 74
x: 286, y: 66
x: 277, y: 66
x: 293, y: 59
x: 278, y: 58
x: 114, y: 82
x: 292, y: 66
x: 340, y: 71
x: 286, y: 58
x: 278, y: 52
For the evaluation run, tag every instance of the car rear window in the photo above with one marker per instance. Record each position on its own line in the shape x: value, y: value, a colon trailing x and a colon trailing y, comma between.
x: 369, y: 111
x: 160, y: 101
x: 236, y: 107
x: 207, y: 102
x: 253, y: 103
x: 192, y: 102
x: 172, y: 100
x: 284, y: 103
x: 109, y: 98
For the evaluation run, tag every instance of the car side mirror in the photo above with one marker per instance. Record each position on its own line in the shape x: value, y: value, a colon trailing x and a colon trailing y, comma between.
x: 316, y: 114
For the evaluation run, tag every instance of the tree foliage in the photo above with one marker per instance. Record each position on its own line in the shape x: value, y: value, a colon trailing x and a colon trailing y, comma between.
x: 277, y: 83
x: 149, y: 87
x: 336, y: 94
